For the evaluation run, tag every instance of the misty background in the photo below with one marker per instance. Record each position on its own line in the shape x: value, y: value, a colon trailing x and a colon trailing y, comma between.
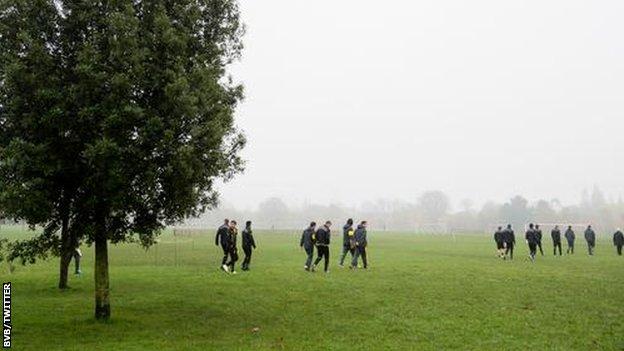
x: 360, y: 109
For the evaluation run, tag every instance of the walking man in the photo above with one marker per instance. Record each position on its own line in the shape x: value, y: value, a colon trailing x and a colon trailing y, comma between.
x: 570, y: 237
x: 590, y: 237
x: 538, y: 236
x: 307, y: 243
x: 222, y: 238
x: 556, y: 238
x: 509, y: 238
x: 249, y: 244
x: 347, y: 241
x: 323, y: 235
x: 361, y: 243
x: 500, y: 242
x: 531, y: 239
x: 618, y: 241
x: 232, y: 249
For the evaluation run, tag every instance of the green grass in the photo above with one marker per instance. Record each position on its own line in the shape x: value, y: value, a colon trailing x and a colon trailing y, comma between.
x: 421, y: 293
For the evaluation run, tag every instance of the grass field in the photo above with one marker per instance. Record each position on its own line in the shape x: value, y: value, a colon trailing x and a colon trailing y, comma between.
x: 421, y: 293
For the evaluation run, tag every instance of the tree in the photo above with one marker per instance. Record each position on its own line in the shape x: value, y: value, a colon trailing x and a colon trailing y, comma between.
x: 37, y: 169
x: 466, y: 205
x: 434, y: 205
x: 516, y: 211
x: 128, y: 101
x: 543, y: 212
x: 272, y: 211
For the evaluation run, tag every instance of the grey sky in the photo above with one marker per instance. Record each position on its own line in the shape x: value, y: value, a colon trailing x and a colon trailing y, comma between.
x: 350, y: 101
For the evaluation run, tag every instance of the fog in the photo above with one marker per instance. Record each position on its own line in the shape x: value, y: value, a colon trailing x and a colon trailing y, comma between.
x: 348, y: 102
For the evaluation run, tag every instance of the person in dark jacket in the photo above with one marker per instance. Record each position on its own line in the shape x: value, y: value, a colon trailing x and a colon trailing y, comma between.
x: 361, y: 243
x: 555, y: 234
x: 509, y: 238
x: 232, y: 249
x: 249, y: 244
x: 538, y: 236
x: 618, y: 241
x: 531, y: 239
x: 347, y: 241
x: 323, y: 235
x: 590, y: 237
x: 500, y: 242
x: 570, y: 237
x: 307, y: 243
x: 222, y: 238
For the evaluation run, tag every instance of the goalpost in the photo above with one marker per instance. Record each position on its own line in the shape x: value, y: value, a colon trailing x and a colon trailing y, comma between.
x: 191, y: 232
x: 434, y: 228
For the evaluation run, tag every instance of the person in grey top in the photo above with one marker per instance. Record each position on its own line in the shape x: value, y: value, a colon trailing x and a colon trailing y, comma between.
x: 590, y: 237
x: 570, y: 237
x: 307, y: 244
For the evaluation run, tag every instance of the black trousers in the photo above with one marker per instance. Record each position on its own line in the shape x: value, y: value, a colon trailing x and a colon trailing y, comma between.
x: 233, y: 253
x: 555, y: 246
x: 247, y: 259
x: 360, y: 251
x: 619, y: 249
x: 509, y: 251
x: 226, y: 253
x: 346, y: 248
x: 532, y: 249
x: 539, y: 245
x: 323, y: 252
x: 570, y: 249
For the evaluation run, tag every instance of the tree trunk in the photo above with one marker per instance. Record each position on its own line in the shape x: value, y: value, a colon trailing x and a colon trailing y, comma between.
x: 102, y: 304
x: 64, y: 268
x: 66, y: 243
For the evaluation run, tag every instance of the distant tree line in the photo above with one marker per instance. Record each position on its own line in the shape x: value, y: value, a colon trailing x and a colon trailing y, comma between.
x: 431, y: 211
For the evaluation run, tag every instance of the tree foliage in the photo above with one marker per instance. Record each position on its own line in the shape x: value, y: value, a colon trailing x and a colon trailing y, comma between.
x: 115, y: 116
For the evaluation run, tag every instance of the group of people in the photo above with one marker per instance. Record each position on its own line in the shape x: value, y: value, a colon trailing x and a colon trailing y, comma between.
x: 227, y: 237
x: 506, y: 240
x: 354, y: 241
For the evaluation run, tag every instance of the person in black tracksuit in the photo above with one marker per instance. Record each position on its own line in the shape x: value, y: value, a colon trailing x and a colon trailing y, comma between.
x: 249, y: 244
x: 590, y: 237
x: 222, y: 239
x: 323, y: 235
x: 509, y: 239
x: 361, y: 243
x: 618, y: 241
x: 570, y: 237
x: 538, y: 236
x: 232, y: 249
x: 556, y: 238
x: 531, y: 239
x: 347, y: 241
x: 500, y: 242
x: 307, y: 243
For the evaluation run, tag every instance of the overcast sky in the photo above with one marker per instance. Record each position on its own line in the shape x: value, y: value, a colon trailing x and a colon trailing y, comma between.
x: 355, y: 100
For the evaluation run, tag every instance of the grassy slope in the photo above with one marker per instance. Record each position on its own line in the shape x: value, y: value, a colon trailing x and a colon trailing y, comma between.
x: 422, y: 292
